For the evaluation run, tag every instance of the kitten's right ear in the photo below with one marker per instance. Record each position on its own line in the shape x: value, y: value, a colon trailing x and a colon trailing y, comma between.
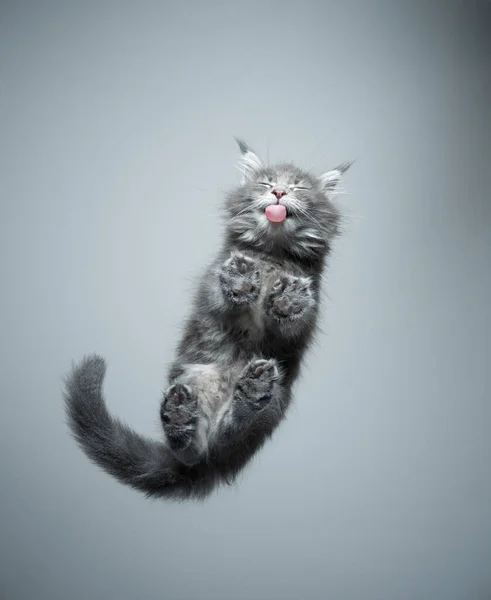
x: 249, y: 163
x: 331, y: 179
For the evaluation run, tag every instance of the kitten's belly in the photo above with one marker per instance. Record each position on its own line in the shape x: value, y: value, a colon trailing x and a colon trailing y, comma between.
x: 252, y: 323
x: 233, y: 340
x: 212, y: 383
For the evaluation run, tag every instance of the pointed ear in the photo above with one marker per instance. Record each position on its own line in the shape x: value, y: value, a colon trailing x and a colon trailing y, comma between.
x: 331, y: 179
x: 248, y: 162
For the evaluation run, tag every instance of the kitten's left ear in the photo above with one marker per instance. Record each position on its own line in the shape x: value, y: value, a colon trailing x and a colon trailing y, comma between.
x: 330, y: 180
x: 249, y: 163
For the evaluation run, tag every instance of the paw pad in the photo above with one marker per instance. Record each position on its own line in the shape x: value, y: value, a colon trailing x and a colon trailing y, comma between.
x: 290, y: 297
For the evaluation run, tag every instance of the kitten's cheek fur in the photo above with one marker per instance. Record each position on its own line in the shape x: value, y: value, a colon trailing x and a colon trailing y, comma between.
x: 253, y: 317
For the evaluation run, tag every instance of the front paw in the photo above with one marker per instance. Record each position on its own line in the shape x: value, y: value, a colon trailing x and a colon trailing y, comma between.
x: 290, y: 298
x: 240, y: 280
x: 257, y: 383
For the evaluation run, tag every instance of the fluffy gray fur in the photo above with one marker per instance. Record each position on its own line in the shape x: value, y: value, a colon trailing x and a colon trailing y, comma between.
x: 254, y: 316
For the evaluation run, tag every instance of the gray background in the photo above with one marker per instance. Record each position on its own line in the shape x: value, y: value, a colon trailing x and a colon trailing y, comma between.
x: 116, y: 145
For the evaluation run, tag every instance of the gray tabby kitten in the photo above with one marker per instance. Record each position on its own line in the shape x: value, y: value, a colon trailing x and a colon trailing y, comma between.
x: 253, y: 318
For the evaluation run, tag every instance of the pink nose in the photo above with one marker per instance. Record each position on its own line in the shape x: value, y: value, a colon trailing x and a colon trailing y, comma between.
x: 279, y: 194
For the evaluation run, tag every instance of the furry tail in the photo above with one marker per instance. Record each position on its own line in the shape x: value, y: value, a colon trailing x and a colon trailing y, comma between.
x: 137, y: 461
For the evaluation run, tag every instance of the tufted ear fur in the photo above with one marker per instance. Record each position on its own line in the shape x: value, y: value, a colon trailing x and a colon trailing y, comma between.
x: 331, y: 179
x: 248, y: 163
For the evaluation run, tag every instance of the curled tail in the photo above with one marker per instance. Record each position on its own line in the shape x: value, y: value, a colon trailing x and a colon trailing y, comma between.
x: 137, y: 461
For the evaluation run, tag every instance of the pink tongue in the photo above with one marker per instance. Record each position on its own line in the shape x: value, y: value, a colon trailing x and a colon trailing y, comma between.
x: 276, y: 213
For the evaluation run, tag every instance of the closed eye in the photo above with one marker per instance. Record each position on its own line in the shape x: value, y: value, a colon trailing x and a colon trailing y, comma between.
x: 265, y: 183
x: 299, y: 187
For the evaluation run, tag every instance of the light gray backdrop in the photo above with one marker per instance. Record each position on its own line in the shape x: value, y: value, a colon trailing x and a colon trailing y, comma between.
x: 116, y: 145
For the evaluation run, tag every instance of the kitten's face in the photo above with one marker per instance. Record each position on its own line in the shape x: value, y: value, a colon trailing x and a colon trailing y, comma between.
x: 283, y: 208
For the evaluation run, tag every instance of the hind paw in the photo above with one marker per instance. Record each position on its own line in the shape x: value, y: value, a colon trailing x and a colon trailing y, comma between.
x: 257, y: 382
x: 179, y: 414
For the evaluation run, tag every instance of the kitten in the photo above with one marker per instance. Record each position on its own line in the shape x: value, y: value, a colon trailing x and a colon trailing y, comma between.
x: 254, y: 316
